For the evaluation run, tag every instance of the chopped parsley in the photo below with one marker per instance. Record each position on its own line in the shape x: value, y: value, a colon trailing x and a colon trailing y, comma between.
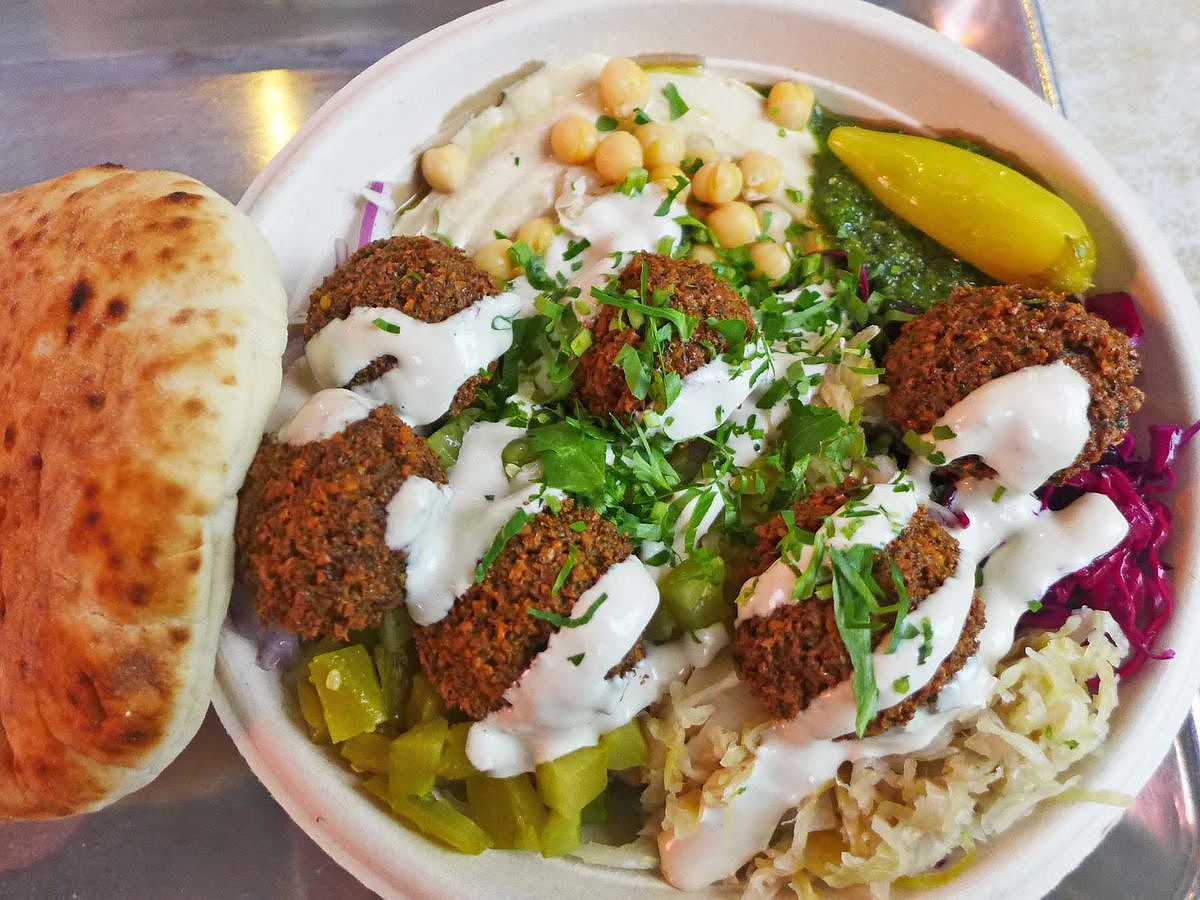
x: 640, y: 117
x: 900, y: 685
x: 576, y: 659
x: 566, y: 621
x: 516, y: 522
x: 674, y: 101
x: 926, y: 647
x: 921, y: 447
x: 385, y: 325
x: 943, y: 433
x: 664, y: 208
x: 606, y: 123
x: 854, y: 596
x: 997, y: 494
x: 574, y: 248
x: 1035, y: 605
x: 565, y: 572
x: 578, y: 527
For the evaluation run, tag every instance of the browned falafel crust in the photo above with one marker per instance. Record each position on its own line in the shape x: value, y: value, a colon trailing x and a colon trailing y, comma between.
x: 311, y: 522
x: 796, y: 653
x: 417, y: 275
x: 979, y: 334
x: 488, y: 638
x: 696, y: 291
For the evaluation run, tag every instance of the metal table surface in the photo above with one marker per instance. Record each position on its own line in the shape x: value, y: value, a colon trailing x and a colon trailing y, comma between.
x: 214, y: 88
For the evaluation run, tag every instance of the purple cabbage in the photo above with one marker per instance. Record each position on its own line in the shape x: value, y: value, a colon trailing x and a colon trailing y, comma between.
x: 277, y: 649
x: 366, y: 231
x: 1130, y: 582
x: 1120, y: 311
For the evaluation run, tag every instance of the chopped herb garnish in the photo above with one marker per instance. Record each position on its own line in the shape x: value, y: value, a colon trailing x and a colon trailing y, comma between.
x: 565, y: 572
x: 926, y: 647
x: 574, y: 248
x: 900, y: 685
x: 578, y: 527
x: 637, y: 377
x: 943, y: 433
x: 794, y: 195
x: 664, y: 208
x: 516, y: 160
x: 921, y: 447
x: 852, y: 602
x: 1035, y: 605
x: 1071, y: 744
x: 634, y: 183
x: 565, y: 621
x: 997, y: 494
x: 385, y: 325
x: 640, y: 117
x: 674, y: 101
x: 576, y: 659
x: 606, y: 123
x: 515, y: 523
x: 902, y: 605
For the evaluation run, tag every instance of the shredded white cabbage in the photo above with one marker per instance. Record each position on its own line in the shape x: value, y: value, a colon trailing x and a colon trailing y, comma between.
x: 888, y: 819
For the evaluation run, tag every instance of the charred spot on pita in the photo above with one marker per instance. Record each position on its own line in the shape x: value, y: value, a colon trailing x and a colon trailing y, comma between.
x: 80, y: 294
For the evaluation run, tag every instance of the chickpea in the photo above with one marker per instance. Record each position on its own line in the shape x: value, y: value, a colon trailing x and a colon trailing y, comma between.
x: 573, y: 139
x: 665, y: 177
x: 623, y: 87
x: 616, y: 155
x: 537, y: 233
x: 662, y: 145
x: 704, y: 253
x: 761, y: 174
x: 492, y: 257
x: 770, y: 259
x: 717, y: 182
x: 733, y: 224
x: 773, y: 221
x: 789, y: 104
x: 701, y: 148
x: 445, y: 167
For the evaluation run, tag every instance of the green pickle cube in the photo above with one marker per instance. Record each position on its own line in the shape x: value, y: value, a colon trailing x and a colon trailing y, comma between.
x: 434, y: 817
x: 571, y: 782
x: 367, y: 753
x: 424, y: 703
x: 561, y: 835
x: 454, y: 763
x: 694, y: 591
x: 349, y: 691
x: 413, y: 759
x: 311, y: 710
x: 626, y: 747
x: 508, y: 809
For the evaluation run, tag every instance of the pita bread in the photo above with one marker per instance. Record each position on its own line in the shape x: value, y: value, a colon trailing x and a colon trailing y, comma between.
x: 142, y: 320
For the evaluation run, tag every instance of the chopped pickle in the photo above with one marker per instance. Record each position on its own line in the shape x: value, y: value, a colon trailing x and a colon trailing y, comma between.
x: 694, y: 591
x: 367, y: 752
x: 447, y: 440
x: 413, y: 758
x: 626, y: 747
x: 349, y: 691
x: 508, y: 809
x: 435, y: 818
x: 396, y: 660
x: 310, y: 709
x: 424, y: 703
x: 571, y: 782
x: 662, y: 626
x: 596, y: 812
x: 561, y: 834
x: 454, y: 763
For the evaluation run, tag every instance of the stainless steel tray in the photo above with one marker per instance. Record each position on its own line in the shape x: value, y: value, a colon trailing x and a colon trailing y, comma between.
x: 215, y: 88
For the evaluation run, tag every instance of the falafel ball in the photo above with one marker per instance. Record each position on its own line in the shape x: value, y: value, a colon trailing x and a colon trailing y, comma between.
x: 311, y: 521
x: 793, y: 655
x: 417, y: 275
x: 696, y: 291
x: 979, y: 334
x: 474, y: 654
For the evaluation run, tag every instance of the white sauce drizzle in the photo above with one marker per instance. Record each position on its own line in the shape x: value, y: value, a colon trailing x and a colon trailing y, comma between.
x: 748, y: 440
x: 1022, y: 423
x: 1035, y: 550
x: 325, y: 414
x: 446, y: 529
x: 433, y: 358
x: 713, y: 393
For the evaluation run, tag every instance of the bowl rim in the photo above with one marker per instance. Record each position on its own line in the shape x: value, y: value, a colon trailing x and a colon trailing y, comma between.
x: 1118, y: 206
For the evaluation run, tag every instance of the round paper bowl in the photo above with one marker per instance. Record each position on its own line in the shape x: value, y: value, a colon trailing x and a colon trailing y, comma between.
x: 861, y: 60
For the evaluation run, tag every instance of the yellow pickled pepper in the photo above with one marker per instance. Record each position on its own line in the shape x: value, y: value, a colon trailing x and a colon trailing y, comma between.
x: 990, y: 215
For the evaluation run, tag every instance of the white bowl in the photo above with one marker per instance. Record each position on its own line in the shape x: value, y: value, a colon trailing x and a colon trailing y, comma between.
x: 862, y: 60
